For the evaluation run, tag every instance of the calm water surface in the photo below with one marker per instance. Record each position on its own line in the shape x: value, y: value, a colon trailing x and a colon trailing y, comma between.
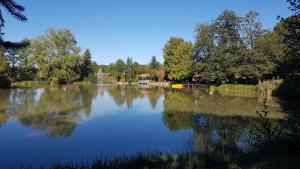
x: 75, y: 123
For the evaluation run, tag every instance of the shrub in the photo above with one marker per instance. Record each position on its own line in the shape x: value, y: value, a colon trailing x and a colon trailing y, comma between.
x: 54, y: 82
x: 4, y: 81
x: 91, y: 78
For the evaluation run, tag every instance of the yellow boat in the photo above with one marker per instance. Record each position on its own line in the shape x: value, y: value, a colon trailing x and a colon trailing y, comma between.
x: 177, y: 86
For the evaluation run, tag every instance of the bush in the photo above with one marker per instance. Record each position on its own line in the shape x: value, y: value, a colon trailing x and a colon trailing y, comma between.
x: 4, y: 81
x: 91, y: 78
x: 290, y: 87
x: 54, y: 82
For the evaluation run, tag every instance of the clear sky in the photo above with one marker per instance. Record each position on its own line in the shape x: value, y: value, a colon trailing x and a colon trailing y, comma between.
x: 114, y: 29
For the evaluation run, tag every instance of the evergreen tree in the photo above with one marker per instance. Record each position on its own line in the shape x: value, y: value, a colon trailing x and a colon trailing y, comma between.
x: 129, y: 73
x: 86, y: 68
x: 153, y: 66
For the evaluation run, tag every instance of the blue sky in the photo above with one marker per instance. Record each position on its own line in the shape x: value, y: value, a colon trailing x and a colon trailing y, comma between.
x: 114, y: 29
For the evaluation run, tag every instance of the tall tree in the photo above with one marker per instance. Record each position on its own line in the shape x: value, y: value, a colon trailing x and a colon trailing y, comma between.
x: 153, y: 66
x: 291, y: 36
x: 204, y: 44
x: 4, y: 81
x: 178, y: 56
x: 129, y: 73
x: 86, y: 67
x: 251, y: 29
x: 56, y: 56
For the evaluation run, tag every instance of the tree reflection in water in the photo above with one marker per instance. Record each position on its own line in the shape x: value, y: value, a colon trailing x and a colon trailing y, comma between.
x: 126, y: 94
x: 55, y: 111
x: 213, y: 118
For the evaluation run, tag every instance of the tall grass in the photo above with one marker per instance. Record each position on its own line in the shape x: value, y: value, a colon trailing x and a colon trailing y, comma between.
x: 30, y: 84
x: 237, y: 90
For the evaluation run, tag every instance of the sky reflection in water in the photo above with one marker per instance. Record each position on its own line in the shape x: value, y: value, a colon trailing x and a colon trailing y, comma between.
x: 39, y: 126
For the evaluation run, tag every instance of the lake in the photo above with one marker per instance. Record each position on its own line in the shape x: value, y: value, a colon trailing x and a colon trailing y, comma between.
x: 82, y: 123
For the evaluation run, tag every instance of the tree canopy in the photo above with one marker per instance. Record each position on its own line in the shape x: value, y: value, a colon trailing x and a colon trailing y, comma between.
x: 178, y: 62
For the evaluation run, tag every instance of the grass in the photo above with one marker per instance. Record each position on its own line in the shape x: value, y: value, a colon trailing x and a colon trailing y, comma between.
x: 35, y: 84
x: 237, y: 90
x: 267, y: 88
x: 83, y: 83
x: 221, y: 157
x: 29, y: 84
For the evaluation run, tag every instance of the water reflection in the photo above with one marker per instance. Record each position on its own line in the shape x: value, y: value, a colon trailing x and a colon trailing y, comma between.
x: 126, y: 94
x: 214, y: 119
x: 57, y: 111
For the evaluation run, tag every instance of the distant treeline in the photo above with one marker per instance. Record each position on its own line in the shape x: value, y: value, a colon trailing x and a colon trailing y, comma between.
x: 130, y: 70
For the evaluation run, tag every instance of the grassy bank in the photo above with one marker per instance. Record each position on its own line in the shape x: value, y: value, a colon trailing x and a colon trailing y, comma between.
x: 237, y: 90
x: 33, y: 84
x: 83, y: 83
x: 220, y: 157
x: 267, y: 88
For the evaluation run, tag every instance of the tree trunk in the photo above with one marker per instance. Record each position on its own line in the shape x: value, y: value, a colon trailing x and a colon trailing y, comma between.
x: 259, y: 81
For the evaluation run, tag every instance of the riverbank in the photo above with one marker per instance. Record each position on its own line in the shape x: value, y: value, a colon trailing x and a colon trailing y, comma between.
x: 266, y: 88
x: 219, y: 157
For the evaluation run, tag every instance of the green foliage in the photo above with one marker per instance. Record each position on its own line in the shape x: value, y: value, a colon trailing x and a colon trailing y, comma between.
x: 53, y: 56
x: 178, y: 59
x: 4, y: 81
x: 125, y: 72
x: 86, y: 67
x: 30, y: 84
x: 55, y: 82
x: 91, y: 78
x: 291, y: 37
x: 266, y: 131
x: 235, y: 49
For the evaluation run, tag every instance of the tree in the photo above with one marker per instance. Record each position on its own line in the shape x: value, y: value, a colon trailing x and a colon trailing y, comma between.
x: 250, y: 67
x: 86, y: 67
x: 95, y: 67
x: 178, y: 56
x: 119, y: 69
x: 16, y: 11
x: 153, y: 66
x: 251, y: 29
x: 234, y: 49
x: 291, y: 34
x: 204, y: 44
x: 129, y: 73
x: 56, y: 56
x: 217, y: 46
x: 4, y: 81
